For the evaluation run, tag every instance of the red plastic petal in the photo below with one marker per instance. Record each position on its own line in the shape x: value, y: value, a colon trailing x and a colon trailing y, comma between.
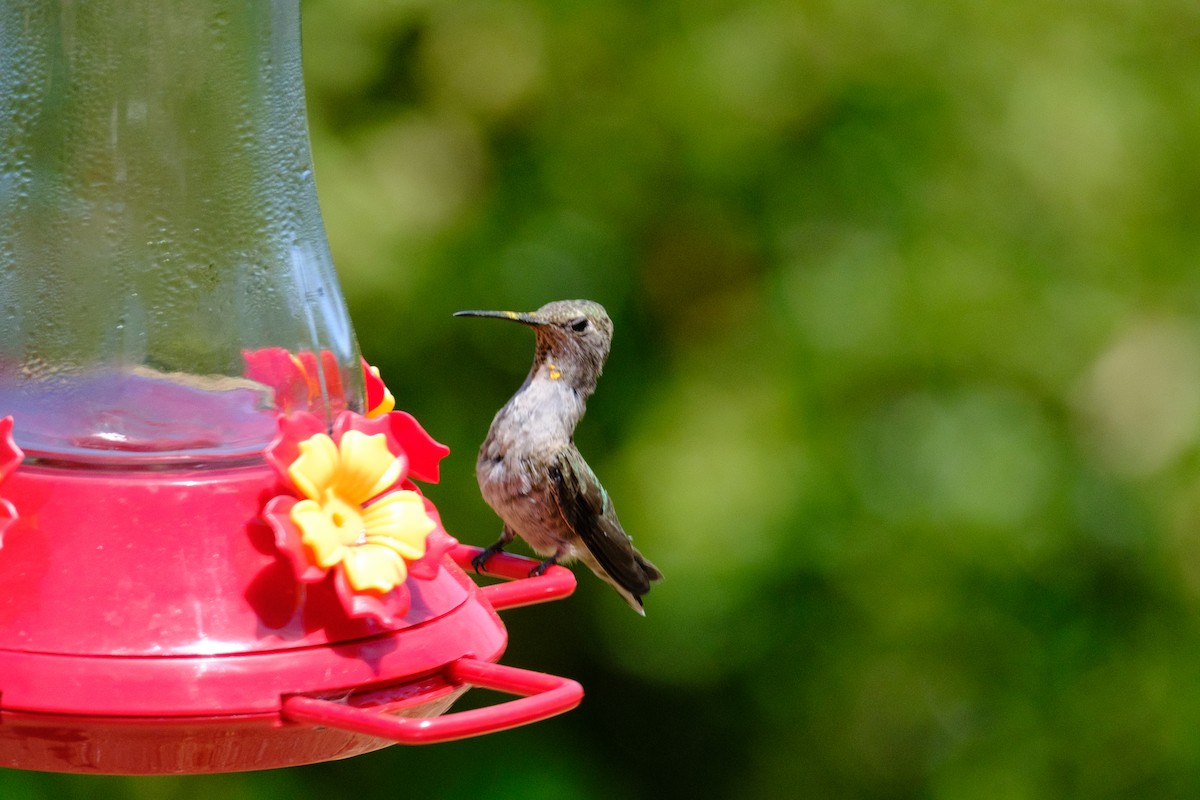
x: 373, y: 384
x: 275, y: 367
x: 437, y: 545
x: 423, y: 451
x: 327, y: 368
x: 386, y: 609
x: 288, y: 539
x: 349, y: 421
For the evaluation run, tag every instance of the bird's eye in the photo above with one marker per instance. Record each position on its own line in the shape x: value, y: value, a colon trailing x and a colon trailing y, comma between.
x: 579, y: 324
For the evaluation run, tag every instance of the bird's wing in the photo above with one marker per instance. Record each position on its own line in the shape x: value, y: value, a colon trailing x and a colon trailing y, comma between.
x: 587, y: 509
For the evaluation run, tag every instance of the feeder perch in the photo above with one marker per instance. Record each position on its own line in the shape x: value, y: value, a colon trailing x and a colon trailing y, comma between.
x: 214, y: 547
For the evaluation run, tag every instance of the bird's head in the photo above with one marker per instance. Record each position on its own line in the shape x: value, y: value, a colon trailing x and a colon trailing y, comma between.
x: 573, y: 338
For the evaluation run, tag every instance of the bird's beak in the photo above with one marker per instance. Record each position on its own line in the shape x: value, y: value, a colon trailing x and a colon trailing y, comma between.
x: 523, y: 317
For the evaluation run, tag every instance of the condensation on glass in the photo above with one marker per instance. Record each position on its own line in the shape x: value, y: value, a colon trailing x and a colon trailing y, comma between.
x: 158, y: 227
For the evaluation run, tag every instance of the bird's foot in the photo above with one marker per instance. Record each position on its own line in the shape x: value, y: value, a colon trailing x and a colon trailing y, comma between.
x: 479, y: 562
x: 542, y: 567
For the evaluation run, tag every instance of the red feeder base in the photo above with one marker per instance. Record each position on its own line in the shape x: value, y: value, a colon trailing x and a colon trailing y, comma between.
x: 148, y: 627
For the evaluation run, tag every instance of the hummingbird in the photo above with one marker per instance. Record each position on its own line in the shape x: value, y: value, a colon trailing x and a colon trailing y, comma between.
x: 530, y: 471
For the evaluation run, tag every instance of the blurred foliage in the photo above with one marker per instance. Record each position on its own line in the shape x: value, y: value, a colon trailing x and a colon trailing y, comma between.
x: 904, y: 397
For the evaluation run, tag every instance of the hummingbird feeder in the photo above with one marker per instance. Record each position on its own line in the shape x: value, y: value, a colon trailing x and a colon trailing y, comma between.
x: 214, y: 552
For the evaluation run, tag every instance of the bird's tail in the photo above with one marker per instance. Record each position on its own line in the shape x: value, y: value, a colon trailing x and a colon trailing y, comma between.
x: 632, y: 594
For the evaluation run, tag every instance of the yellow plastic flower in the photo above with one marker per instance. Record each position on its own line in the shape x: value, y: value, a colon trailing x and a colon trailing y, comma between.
x: 338, y: 521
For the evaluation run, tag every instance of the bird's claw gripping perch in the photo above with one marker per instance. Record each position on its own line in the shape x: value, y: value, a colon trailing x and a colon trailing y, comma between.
x: 479, y: 562
x: 542, y: 567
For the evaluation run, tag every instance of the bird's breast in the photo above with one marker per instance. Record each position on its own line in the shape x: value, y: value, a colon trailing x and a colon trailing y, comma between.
x: 507, y: 474
x: 516, y: 485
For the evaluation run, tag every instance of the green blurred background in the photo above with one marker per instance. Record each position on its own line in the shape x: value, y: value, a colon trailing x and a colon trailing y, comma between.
x: 904, y: 397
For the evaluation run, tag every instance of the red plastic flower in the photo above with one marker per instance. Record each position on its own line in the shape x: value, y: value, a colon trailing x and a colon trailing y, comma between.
x: 351, y: 513
x: 10, y: 458
x: 298, y: 380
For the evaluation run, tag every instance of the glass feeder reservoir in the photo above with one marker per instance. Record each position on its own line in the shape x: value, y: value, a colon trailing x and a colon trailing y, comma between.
x: 214, y: 553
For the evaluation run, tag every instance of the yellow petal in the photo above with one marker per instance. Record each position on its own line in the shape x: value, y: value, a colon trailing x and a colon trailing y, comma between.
x: 387, y: 405
x: 398, y: 521
x: 367, y: 467
x: 318, y: 532
x: 374, y: 568
x: 314, y: 469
